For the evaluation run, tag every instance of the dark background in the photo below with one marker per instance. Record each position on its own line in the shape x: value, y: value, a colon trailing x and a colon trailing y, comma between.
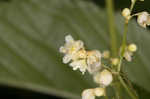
x: 14, y: 93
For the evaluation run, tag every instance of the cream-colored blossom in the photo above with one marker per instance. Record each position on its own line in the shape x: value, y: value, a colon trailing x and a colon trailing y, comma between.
x: 93, y: 61
x: 143, y: 19
x: 81, y: 59
x: 70, y: 48
x: 99, y: 92
x: 114, y: 61
x: 81, y: 54
x: 126, y: 13
x: 104, y: 78
x: 79, y: 64
x: 128, y: 56
x: 88, y: 94
x: 67, y: 58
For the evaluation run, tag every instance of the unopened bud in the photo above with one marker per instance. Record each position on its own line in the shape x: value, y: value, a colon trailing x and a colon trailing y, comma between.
x: 114, y: 61
x: 104, y: 78
x: 143, y: 19
x: 132, y: 47
x: 126, y: 13
x: 99, y: 92
x: 88, y: 94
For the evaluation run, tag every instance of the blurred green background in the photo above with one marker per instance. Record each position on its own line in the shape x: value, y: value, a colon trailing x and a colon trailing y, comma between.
x: 31, y: 32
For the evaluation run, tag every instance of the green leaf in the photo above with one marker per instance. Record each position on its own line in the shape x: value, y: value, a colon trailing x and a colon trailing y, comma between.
x: 31, y: 32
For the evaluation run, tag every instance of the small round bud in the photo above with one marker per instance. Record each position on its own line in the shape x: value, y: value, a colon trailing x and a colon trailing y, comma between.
x: 132, y: 47
x: 99, y: 92
x: 104, y: 78
x: 114, y: 61
x: 88, y: 94
x: 106, y: 54
x: 126, y: 13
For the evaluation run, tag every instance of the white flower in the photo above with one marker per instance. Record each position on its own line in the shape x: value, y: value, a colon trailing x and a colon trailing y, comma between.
x: 70, y: 48
x: 79, y: 64
x: 93, y: 61
x: 126, y: 13
x: 69, y: 39
x: 81, y: 54
x: 128, y: 56
x: 81, y: 59
x: 67, y: 58
x: 99, y: 92
x: 104, y: 78
x: 143, y: 19
x: 88, y: 94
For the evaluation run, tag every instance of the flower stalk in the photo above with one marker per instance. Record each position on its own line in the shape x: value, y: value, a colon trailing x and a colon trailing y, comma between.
x: 111, y: 24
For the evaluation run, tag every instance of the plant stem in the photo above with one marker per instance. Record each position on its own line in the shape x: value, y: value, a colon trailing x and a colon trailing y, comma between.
x: 116, y: 87
x: 111, y: 23
x: 127, y: 88
x: 132, y: 5
x: 106, y: 97
x: 123, y: 46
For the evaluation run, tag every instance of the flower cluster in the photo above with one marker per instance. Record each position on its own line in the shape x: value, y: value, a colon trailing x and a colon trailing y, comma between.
x: 84, y: 60
x: 78, y: 57
x: 130, y: 49
x: 143, y: 18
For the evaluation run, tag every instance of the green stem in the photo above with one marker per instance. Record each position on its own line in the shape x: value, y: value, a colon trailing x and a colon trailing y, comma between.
x: 132, y: 5
x: 123, y: 46
x: 106, y: 97
x: 116, y: 87
x: 111, y: 23
x: 129, y: 84
x: 127, y: 88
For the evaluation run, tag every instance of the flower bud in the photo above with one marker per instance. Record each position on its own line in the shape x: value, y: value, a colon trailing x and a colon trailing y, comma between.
x: 104, y: 78
x: 132, y: 47
x: 99, y: 92
x: 143, y: 19
x: 126, y: 13
x: 114, y: 61
x: 88, y: 94
x: 128, y: 56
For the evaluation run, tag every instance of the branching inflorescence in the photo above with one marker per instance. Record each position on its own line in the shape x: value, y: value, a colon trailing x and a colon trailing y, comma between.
x: 92, y: 60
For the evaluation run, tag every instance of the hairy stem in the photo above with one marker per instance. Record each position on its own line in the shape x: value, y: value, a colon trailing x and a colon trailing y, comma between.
x: 111, y: 23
